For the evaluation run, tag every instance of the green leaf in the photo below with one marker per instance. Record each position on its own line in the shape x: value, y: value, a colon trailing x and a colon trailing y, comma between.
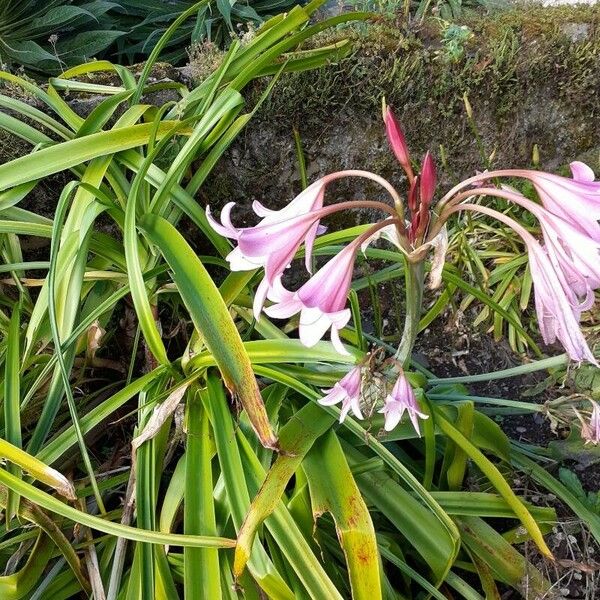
x: 28, y: 52
x: 542, y: 476
x: 234, y: 478
x: 296, y: 438
x: 333, y: 489
x: 283, y: 351
x: 57, y: 17
x: 37, y: 469
x: 12, y: 399
x: 212, y: 320
x: 19, y: 584
x: 507, y: 564
x: 415, y: 521
x: 496, y: 478
x: 453, y: 279
x: 102, y: 113
x: 201, y: 566
x: 288, y: 536
x: 85, y: 45
x: 74, y: 152
x: 131, y: 533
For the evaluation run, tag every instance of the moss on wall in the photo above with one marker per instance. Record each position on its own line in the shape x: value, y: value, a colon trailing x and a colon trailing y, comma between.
x: 532, y: 75
x: 509, y: 53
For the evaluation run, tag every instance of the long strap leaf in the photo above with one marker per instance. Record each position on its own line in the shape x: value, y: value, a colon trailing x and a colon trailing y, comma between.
x: 212, y: 320
x: 333, y: 489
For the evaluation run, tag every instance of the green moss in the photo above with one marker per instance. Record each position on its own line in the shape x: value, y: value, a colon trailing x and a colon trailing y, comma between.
x: 515, y: 58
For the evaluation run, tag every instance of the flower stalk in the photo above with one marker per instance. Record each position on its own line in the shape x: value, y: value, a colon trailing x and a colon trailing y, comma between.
x: 414, y: 280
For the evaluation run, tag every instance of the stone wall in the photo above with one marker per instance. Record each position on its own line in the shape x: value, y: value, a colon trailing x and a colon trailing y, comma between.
x: 532, y: 76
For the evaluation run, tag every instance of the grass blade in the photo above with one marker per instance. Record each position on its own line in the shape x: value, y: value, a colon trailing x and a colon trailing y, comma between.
x: 131, y: 533
x: 201, y: 566
x: 12, y: 400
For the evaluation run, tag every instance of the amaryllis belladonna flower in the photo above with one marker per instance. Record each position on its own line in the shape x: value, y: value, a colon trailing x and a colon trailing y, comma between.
x: 422, y: 186
x: 574, y: 255
x: 558, y: 318
x: 590, y: 432
x: 400, y: 400
x: 273, y: 243
x: 427, y: 180
x: 347, y: 391
x: 321, y: 301
x: 575, y: 200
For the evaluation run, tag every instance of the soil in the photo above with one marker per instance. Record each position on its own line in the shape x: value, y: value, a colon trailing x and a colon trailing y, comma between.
x: 449, y: 349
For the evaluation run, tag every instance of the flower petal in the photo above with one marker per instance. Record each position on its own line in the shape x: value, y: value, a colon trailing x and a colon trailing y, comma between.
x: 259, y: 297
x: 581, y: 172
x: 337, y: 342
x: 313, y: 325
x: 226, y: 230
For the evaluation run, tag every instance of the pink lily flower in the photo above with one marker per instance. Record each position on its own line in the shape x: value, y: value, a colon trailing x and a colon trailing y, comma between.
x: 347, y: 391
x: 400, y: 400
x: 558, y: 316
x: 273, y: 243
x: 321, y: 301
x: 573, y: 253
x: 576, y: 200
x: 590, y: 432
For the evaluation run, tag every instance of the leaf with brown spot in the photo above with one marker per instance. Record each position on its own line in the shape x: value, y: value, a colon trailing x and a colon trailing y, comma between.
x: 333, y: 489
x: 296, y: 438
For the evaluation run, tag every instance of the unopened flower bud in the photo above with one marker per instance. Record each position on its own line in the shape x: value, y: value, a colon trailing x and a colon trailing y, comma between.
x: 413, y: 195
x: 428, y: 180
x: 397, y: 142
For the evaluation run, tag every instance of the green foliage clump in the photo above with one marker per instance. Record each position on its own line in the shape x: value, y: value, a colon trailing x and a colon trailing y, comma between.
x: 49, y: 37
x: 143, y: 403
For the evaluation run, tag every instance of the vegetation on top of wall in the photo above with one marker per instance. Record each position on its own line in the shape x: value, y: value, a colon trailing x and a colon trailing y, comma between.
x: 510, y: 58
x: 48, y: 37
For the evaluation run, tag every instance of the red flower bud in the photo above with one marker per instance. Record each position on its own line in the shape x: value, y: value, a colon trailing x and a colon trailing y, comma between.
x: 413, y: 195
x: 397, y: 142
x: 428, y: 180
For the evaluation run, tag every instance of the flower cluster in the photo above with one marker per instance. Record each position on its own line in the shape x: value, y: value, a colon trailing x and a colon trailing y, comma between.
x: 565, y: 264
x: 349, y: 391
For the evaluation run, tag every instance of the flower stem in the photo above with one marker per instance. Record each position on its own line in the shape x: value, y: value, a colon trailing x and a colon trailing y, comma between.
x: 414, y: 278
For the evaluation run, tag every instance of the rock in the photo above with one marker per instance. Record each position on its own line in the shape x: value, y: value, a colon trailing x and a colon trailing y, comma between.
x: 577, y: 32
